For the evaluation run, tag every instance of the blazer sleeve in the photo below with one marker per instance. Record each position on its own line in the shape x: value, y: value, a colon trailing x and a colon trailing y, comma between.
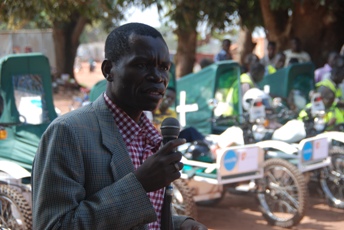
x: 61, y: 199
x: 178, y: 220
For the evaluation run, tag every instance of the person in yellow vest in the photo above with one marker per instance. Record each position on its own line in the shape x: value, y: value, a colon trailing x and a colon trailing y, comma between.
x: 248, y: 80
x: 332, y: 83
x: 333, y: 115
x: 164, y: 108
x: 268, y: 60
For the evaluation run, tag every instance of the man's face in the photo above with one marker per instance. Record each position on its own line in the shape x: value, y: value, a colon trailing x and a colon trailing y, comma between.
x: 295, y: 45
x: 141, y: 76
x: 280, y: 60
x: 271, y: 51
x: 327, y: 96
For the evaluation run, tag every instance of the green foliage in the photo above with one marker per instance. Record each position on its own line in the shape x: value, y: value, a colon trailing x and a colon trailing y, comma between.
x: 17, y: 13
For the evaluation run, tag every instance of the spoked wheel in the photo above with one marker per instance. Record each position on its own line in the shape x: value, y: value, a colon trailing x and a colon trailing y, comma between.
x: 332, y: 179
x: 183, y: 202
x: 282, y: 193
x: 15, y: 211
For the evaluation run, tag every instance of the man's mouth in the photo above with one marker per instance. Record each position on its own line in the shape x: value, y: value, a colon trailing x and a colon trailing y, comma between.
x: 155, y: 92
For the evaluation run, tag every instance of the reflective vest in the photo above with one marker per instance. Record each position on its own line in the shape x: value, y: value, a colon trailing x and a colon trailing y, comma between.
x: 332, y: 86
x: 245, y: 78
x: 270, y: 69
x: 233, y: 97
x: 332, y: 112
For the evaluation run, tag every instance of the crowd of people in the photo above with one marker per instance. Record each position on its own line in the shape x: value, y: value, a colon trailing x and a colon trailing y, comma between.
x: 328, y: 79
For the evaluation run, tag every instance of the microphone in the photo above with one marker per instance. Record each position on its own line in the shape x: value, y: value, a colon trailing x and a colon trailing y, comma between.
x: 170, y: 128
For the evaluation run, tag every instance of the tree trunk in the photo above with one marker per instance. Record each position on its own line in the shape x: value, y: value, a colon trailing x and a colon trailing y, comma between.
x: 318, y: 27
x: 245, y: 44
x: 186, y: 52
x: 66, y: 41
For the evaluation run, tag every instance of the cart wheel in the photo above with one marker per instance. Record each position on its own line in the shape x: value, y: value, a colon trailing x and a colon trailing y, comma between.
x: 183, y: 202
x: 332, y: 179
x: 15, y: 211
x: 282, y: 193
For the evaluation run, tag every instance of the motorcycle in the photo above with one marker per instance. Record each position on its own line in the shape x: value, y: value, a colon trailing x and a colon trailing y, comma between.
x: 279, y: 204
x: 328, y: 176
x: 27, y: 109
x: 331, y: 178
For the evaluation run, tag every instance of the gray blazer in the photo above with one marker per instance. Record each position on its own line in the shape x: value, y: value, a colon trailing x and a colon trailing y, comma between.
x: 83, y: 176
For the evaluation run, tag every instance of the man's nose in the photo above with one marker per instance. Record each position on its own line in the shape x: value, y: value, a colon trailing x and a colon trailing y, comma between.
x: 156, y: 75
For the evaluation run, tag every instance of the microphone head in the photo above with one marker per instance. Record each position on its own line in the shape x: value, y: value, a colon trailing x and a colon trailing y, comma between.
x: 170, y: 127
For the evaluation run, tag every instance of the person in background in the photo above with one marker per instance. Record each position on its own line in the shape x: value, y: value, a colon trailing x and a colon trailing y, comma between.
x: 335, y: 79
x: 296, y: 52
x: 164, y: 110
x: 293, y: 61
x: 247, y: 81
x: 250, y: 79
x: 248, y: 60
x: 103, y: 166
x: 205, y: 62
x: 333, y: 114
x: 325, y: 71
x: 279, y: 61
x: 225, y: 53
x: 269, y: 59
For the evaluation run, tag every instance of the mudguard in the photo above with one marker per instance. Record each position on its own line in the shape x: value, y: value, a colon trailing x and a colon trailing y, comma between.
x: 333, y: 135
x: 278, y: 145
x: 14, y: 170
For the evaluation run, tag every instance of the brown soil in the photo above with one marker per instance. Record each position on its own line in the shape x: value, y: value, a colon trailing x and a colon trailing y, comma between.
x: 241, y: 212
x: 235, y: 211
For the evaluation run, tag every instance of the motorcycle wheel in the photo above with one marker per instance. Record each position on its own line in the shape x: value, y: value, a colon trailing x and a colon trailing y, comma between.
x: 332, y: 179
x: 15, y: 211
x: 183, y: 202
x: 282, y: 193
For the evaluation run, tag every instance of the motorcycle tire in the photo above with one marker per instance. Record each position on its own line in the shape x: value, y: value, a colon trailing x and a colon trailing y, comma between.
x: 282, y: 193
x: 182, y: 200
x: 15, y: 211
x: 332, y: 179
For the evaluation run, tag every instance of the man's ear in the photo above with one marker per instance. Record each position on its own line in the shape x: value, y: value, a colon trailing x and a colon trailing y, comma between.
x: 106, y: 70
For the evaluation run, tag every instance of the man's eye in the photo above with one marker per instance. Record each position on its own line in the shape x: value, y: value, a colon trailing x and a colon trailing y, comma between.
x: 164, y: 68
x: 141, y: 65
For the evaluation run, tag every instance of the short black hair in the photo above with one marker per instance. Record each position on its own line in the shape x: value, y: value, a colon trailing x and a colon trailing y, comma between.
x: 272, y: 43
x: 117, y: 42
x: 257, y: 71
x: 226, y: 42
x: 205, y: 62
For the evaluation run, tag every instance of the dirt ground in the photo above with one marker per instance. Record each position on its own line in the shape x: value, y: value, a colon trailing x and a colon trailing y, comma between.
x: 235, y: 211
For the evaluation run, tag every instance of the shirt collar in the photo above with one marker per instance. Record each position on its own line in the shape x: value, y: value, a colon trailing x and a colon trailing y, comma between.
x: 129, y: 128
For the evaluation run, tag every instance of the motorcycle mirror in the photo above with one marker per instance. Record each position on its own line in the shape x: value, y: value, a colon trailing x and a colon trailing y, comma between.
x: 276, y: 102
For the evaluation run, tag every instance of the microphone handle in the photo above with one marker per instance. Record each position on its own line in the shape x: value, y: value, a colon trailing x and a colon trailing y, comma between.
x: 166, y: 221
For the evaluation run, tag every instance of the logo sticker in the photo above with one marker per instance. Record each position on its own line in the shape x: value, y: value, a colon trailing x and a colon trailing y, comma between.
x: 230, y: 160
x: 307, y: 151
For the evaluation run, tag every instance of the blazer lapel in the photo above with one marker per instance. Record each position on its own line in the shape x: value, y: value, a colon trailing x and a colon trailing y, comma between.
x: 121, y: 163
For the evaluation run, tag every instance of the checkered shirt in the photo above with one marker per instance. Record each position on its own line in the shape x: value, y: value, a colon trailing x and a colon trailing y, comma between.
x: 142, y: 140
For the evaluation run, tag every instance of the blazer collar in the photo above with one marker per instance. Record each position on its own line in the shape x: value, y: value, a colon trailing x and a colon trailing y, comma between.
x: 112, y: 139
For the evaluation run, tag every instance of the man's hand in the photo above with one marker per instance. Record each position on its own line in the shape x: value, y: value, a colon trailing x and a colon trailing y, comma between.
x: 160, y: 169
x: 191, y: 224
